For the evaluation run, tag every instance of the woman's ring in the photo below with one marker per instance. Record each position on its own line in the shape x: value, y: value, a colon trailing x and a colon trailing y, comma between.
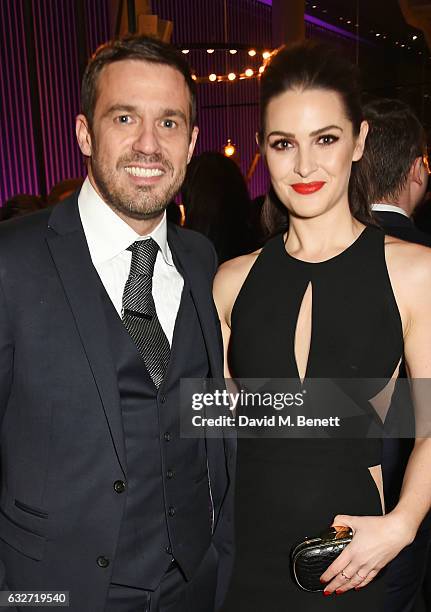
x: 344, y: 575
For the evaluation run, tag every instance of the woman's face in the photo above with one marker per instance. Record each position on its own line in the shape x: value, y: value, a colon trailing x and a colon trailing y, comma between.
x: 309, y: 147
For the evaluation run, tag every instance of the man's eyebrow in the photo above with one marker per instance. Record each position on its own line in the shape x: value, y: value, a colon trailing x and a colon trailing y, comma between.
x: 174, y: 112
x: 128, y: 108
x: 314, y: 133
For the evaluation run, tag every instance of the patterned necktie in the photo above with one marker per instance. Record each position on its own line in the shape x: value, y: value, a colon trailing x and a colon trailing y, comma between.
x: 139, y: 312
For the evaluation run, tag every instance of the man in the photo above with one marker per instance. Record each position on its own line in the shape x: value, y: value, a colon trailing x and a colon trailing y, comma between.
x: 397, y: 165
x: 397, y: 168
x: 103, y: 309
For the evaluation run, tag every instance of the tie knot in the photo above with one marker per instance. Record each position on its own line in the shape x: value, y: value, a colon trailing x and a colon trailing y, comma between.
x: 144, y: 254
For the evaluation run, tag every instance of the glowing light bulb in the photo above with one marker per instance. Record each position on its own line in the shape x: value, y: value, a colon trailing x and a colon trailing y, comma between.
x: 233, y: 51
x: 210, y: 50
x: 229, y: 148
x: 266, y: 55
x: 252, y: 52
x: 249, y: 72
x: 212, y: 77
x: 194, y: 77
x: 261, y: 69
x: 231, y: 76
x: 185, y: 51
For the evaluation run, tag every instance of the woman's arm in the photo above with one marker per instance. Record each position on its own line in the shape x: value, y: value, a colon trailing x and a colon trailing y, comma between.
x: 227, y: 285
x: 378, y: 540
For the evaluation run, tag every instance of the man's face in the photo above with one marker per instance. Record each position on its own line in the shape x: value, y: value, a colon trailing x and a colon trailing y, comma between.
x: 141, y: 140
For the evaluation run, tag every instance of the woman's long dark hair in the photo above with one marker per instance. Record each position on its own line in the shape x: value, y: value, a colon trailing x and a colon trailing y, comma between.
x: 313, y: 65
x: 217, y: 204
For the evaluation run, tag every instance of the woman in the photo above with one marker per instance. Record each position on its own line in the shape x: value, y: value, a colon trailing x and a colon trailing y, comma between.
x: 217, y: 204
x: 330, y: 296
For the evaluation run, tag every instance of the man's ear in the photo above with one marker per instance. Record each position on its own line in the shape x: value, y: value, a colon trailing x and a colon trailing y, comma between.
x: 193, y: 138
x: 360, y: 142
x: 83, y: 135
x: 416, y: 173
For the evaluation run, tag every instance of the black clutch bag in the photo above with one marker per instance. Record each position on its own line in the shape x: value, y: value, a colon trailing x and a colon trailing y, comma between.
x: 311, y: 557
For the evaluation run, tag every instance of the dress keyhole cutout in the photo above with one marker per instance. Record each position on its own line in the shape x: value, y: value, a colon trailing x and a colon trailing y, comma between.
x: 303, y: 331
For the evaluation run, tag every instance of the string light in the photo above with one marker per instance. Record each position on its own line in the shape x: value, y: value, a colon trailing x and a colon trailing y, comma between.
x: 252, y: 52
x: 231, y: 76
x: 210, y: 50
x: 414, y: 37
x: 261, y: 69
x: 229, y: 148
x: 185, y: 51
x: 266, y: 55
x: 233, y: 51
x: 212, y: 77
x: 249, y: 72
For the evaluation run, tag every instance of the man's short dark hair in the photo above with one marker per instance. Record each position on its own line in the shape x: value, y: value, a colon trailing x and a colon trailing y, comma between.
x: 142, y: 48
x: 395, y: 139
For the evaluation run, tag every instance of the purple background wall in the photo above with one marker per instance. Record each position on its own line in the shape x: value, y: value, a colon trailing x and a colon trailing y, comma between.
x: 35, y: 155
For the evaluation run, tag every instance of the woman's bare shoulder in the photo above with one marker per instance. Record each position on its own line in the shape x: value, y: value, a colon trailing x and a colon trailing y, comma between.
x: 229, y: 279
x: 409, y: 262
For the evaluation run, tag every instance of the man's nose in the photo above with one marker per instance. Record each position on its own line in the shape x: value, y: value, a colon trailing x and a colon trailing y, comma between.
x: 146, y: 140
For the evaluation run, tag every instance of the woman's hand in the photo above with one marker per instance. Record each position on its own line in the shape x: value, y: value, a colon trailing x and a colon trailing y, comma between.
x: 377, y: 540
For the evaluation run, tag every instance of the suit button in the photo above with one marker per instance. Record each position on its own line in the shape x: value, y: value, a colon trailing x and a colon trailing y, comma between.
x: 170, y: 474
x: 168, y: 550
x: 102, y: 562
x: 119, y: 486
x: 171, y: 511
x: 167, y: 436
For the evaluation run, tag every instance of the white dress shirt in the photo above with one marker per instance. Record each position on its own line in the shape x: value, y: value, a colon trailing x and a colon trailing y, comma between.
x: 389, y: 208
x: 108, y: 238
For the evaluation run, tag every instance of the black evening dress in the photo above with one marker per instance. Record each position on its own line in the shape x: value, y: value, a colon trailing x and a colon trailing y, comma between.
x: 288, y: 489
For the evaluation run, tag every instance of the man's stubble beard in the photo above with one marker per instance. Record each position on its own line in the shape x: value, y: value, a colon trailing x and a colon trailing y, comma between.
x: 145, y: 203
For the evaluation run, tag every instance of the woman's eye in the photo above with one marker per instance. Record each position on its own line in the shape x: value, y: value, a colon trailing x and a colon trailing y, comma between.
x: 168, y: 123
x: 281, y: 144
x: 327, y: 139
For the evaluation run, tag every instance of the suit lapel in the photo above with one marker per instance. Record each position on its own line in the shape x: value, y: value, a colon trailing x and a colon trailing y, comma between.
x: 69, y: 250
x: 200, y: 288
x: 188, y: 263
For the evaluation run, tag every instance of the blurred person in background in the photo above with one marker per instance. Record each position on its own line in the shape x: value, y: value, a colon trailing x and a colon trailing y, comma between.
x: 395, y: 166
x: 20, y: 205
x: 217, y: 204
x: 395, y: 169
x: 63, y: 190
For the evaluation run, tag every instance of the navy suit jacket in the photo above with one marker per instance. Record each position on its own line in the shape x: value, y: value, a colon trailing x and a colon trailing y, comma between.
x: 62, y: 444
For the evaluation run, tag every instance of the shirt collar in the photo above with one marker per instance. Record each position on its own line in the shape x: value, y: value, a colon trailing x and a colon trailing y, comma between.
x: 107, y: 234
x: 389, y: 208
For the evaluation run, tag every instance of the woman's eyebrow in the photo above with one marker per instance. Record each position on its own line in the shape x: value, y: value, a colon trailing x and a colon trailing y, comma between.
x: 325, y: 129
x: 314, y: 133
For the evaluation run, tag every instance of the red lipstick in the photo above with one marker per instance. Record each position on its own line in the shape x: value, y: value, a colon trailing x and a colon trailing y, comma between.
x: 307, y: 188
